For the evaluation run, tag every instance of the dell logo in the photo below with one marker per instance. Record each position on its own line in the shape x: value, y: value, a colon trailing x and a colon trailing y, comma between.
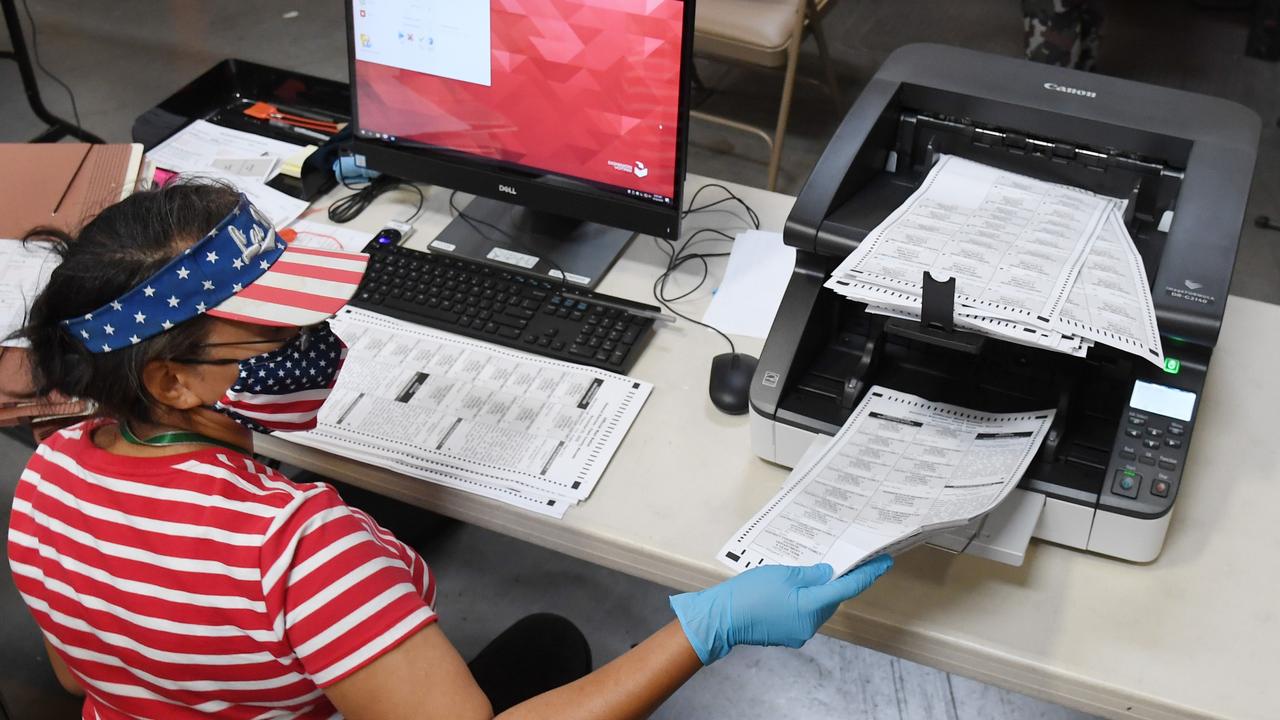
x: 507, y: 189
x: 1069, y: 90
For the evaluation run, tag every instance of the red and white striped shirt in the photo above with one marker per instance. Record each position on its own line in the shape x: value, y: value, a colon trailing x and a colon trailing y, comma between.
x: 205, y: 583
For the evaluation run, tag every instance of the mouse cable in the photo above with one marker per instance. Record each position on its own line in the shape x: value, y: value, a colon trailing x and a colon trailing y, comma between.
x: 35, y: 53
x: 677, y: 257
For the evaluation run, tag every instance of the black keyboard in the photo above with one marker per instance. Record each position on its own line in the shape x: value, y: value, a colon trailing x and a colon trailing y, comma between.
x: 509, y: 308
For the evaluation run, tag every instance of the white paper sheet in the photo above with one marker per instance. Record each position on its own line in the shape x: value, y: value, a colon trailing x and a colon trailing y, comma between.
x: 207, y: 150
x: 440, y: 403
x: 258, y: 168
x: 329, y: 237
x: 279, y: 208
x: 900, y: 469
x: 519, y: 497
x: 194, y: 147
x: 1008, y: 240
x: 1110, y: 302
x: 1013, y: 243
x: 760, y: 266
x: 24, y: 271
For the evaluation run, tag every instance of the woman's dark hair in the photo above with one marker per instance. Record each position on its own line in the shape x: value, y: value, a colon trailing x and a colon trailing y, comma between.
x: 116, y: 251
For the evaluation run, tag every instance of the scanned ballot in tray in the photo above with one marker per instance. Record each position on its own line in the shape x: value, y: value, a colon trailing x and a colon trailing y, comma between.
x: 900, y: 469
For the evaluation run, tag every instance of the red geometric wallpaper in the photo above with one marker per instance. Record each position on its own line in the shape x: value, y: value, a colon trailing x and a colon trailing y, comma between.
x: 576, y: 85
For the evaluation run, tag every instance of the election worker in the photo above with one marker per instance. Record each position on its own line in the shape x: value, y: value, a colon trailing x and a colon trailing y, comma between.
x: 175, y: 576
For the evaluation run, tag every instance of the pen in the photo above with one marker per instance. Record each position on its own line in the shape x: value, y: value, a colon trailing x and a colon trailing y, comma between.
x: 637, y: 309
x: 306, y: 113
x: 301, y: 131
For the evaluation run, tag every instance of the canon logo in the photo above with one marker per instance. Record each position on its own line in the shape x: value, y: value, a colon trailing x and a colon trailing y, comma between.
x: 1069, y: 90
x: 507, y: 189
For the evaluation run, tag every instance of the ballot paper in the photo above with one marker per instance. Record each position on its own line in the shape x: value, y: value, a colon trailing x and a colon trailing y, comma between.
x: 1111, y: 300
x: 519, y: 497
x: 902, y: 468
x: 1036, y: 263
x: 24, y: 270
x: 1013, y: 243
x: 522, y: 428
x: 759, y: 268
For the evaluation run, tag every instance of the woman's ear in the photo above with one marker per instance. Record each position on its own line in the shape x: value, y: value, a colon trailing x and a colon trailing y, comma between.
x: 171, y: 384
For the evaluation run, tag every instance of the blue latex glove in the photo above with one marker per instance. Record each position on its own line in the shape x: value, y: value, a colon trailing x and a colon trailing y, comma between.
x: 769, y: 605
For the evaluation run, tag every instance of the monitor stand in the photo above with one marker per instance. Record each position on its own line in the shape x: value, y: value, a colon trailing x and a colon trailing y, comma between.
x: 537, y: 243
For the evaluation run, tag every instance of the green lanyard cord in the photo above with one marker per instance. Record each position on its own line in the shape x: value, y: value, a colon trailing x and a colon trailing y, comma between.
x: 175, y: 438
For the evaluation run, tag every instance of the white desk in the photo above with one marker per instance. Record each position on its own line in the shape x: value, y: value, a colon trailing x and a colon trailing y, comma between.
x: 1194, y: 634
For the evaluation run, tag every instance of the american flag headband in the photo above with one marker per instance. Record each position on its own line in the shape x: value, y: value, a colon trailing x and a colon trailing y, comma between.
x: 241, y: 249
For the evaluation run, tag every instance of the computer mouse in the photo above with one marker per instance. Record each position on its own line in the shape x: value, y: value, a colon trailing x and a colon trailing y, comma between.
x: 730, y: 385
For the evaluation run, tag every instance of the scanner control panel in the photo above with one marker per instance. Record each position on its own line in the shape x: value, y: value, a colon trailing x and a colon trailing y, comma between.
x: 1150, y: 449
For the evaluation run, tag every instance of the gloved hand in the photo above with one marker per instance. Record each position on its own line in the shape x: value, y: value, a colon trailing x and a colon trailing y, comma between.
x: 768, y: 605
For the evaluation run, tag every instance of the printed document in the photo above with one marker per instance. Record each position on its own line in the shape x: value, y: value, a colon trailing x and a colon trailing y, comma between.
x: 465, y: 410
x: 1012, y: 243
x: 1036, y: 263
x: 24, y: 271
x: 900, y: 469
x: 1111, y: 300
x: 207, y: 150
x: 198, y: 145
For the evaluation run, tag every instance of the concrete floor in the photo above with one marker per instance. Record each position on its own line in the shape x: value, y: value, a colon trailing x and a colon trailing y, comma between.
x: 123, y: 57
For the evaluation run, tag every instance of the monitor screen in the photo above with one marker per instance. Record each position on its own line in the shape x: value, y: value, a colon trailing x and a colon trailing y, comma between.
x: 587, y: 90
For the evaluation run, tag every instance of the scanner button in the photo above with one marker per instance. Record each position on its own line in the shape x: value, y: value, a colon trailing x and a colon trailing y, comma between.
x: 1160, y: 488
x: 1138, y: 421
x: 1173, y: 442
x: 1168, y: 463
x: 1147, y: 458
x: 1126, y: 483
x: 1152, y: 444
x: 1133, y: 432
x: 1155, y: 432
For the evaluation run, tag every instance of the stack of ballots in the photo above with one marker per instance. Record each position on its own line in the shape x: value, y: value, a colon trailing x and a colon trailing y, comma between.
x: 1037, y: 263
x: 521, y: 429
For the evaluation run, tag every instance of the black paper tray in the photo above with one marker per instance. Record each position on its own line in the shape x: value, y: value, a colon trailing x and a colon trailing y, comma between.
x: 220, y: 96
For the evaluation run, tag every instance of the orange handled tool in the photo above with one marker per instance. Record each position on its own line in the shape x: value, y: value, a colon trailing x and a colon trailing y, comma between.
x: 267, y: 111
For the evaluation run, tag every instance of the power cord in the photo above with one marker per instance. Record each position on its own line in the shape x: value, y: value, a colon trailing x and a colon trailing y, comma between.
x: 677, y: 257
x: 35, y: 53
x: 348, y: 208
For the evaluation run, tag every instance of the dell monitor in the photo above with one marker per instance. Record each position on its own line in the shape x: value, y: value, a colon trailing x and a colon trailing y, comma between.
x: 566, y: 118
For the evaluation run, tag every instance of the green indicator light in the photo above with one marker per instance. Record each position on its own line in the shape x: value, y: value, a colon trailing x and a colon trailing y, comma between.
x: 1172, y: 365
x: 1130, y: 473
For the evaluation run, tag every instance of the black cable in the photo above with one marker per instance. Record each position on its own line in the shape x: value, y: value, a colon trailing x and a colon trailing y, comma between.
x: 678, y: 257
x: 348, y: 208
x: 755, y: 219
x: 35, y: 53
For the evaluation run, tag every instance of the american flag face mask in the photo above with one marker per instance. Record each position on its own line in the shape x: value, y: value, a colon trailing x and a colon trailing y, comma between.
x: 282, y: 390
